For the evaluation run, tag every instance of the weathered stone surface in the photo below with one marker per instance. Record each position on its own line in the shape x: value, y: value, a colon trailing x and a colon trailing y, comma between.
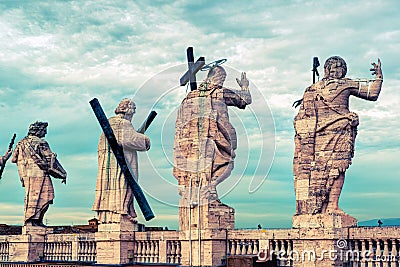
x: 114, y: 198
x: 205, y: 140
x: 204, y: 153
x: 325, y: 136
x: 36, y: 162
x: 29, y: 246
x: 325, y: 220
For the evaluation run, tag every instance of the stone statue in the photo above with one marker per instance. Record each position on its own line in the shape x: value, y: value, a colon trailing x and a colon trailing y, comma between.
x: 36, y: 163
x: 205, y: 140
x: 114, y: 198
x: 6, y: 156
x: 325, y: 136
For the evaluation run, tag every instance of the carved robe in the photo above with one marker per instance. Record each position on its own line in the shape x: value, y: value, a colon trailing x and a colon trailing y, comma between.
x: 32, y: 156
x: 324, y: 139
x: 114, y: 197
x: 205, y: 140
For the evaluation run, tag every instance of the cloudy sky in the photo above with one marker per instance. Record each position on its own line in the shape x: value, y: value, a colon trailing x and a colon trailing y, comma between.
x: 55, y: 56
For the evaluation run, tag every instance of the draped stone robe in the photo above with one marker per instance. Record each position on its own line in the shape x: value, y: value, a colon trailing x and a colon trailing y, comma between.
x: 39, y: 191
x: 205, y: 140
x: 114, y: 197
x: 325, y: 137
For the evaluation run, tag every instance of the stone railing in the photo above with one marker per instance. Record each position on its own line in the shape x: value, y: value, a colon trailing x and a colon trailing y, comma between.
x: 70, y: 247
x: 243, y: 246
x: 373, y: 246
x: 174, y: 251
x: 4, y: 251
x: 58, y: 251
x: 363, y: 246
x: 157, y: 247
x: 251, y: 242
x: 146, y: 251
x: 87, y: 251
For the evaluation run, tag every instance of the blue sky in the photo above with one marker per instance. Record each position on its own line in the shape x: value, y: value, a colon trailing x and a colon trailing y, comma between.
x: 55, y: 56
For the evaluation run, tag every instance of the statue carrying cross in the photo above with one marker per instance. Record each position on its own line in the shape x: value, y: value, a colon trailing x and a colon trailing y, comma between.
x: 118, y: 165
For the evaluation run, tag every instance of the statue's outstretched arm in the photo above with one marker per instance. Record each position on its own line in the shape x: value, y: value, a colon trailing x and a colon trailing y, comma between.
x: 370, y: 89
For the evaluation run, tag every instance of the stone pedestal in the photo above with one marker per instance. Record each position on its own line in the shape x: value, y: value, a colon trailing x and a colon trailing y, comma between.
x: 115, y: 242
x: 203, y: 231
x: 208, y: 214
x: 29, y: 246
x: 320, y: 247
x: 322, y: 239
x: 212, y: 250
x: 325, y: 220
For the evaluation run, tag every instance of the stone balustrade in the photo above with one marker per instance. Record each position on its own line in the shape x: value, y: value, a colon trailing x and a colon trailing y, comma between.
x: 157, y: 247
x: 373, y: 246
x: 4, y: 251
x: 87, y: 251
x: 70, y: 247
x: 174, y: 251
x: 243, y: 246
x: 146, y: 251
x: 58, y: 251
x: 362, y: 247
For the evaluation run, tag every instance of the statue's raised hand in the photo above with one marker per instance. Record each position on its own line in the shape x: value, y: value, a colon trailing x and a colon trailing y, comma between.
x: 243, y: 82
x: 376, y: 69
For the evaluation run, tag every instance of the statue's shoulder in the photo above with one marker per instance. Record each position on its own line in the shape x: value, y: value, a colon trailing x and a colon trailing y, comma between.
x: 31, y: 140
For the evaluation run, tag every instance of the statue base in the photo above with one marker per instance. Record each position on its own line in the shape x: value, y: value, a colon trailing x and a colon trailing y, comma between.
x: 203, y: 225
x: 36, y: 230
x: 29, y: 246
x: 324, y: 220
x: 114, y: 241
x: 209, y: 215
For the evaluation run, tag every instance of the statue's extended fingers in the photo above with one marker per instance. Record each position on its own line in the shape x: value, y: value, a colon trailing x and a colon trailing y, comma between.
x: 237, y: 80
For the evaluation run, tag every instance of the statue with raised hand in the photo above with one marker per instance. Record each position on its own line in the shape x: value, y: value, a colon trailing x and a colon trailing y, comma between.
x: 205, y: 140
x: 36, y: 163
x: 325, y: 135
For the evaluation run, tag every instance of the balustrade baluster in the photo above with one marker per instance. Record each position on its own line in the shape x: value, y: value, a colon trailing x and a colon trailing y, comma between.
x: 178, y: 251
x: 168, y: 251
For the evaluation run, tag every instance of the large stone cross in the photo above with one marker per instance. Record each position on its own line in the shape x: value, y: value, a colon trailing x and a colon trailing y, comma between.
x: 193, y: 68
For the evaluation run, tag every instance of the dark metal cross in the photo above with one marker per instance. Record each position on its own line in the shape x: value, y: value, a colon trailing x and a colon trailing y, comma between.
x: 119, y: 155
x: 193, y: 68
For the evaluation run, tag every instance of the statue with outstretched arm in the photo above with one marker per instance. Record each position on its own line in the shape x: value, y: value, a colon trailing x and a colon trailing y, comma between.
x: 325, y: 132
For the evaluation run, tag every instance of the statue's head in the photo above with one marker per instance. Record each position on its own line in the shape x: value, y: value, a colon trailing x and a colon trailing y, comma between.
x: 126, y: 107
x: 335, y: 68
x: 38, y: 129
x: 216, y: 76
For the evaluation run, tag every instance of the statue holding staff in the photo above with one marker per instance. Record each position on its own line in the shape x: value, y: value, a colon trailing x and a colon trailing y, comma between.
x: 36, y: 163
x: 325, y: 135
